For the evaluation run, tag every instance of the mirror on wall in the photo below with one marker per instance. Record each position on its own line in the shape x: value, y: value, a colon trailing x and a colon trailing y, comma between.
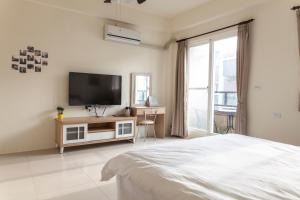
x: 141, y: 88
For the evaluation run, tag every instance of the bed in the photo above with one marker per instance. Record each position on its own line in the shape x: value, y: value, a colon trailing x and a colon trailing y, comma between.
x: 222, y: 167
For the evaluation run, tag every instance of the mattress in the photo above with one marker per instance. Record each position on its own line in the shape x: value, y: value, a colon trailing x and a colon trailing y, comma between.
x: 211, y: 168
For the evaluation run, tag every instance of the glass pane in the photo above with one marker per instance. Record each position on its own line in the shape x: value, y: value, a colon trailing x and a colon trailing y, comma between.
x: 120, y: 129
x: 127, y: 125
x: 120, y: 132
x: 225, y: 65
x: 81, y: 132
x: 142, y: 89
x: 198, y: 84
x: 232, y: 99
x: 73, y: 129
x: 197, y: 109
x: 225, y: 97
x: 219, y: 99
x: 72, y: 136
x: 199, y: 66
x: 127, y: 131
x: 127, y: 128
x: 81, y: 135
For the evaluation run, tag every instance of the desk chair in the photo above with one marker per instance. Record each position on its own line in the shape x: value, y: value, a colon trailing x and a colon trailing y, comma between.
x: 149, y: 120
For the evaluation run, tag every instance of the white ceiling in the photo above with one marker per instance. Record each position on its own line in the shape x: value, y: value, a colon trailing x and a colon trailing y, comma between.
x: 158, y: 15
x: 165, y: 8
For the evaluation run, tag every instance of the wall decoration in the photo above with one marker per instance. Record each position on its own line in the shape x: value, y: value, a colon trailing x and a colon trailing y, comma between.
x: 30, y: 49
x: 14, y: 59
x: 37, y: 69
x: 23, y: 61
x: 44, y: 55
x: 45, y: 63
x: 30, y: 66
x: 23, y: 52
x: 22, y: 70
x: 29, y: 59
x: 15, y: 66
x: 37, y: 61
x: 37, y: 53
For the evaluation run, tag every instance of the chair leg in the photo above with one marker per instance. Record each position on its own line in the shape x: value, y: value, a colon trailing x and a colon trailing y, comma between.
x: 154, y: 133
x: 146, y: 133
x: 138, y: 132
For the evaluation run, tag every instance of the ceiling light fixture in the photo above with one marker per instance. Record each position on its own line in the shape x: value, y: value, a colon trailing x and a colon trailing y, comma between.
x: 138, y: 1
x: 141, y: 1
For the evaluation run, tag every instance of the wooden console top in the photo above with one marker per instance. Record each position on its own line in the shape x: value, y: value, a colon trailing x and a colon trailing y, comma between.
x: 91, y: 120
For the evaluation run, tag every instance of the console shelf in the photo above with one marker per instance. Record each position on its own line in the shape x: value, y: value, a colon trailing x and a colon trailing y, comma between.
x: 92, y: 130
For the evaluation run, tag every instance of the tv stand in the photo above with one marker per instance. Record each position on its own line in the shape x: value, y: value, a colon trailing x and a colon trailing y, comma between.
x: 80, y: 131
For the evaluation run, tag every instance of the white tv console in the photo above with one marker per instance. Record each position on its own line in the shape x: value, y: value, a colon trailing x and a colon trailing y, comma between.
x: 79, y: 131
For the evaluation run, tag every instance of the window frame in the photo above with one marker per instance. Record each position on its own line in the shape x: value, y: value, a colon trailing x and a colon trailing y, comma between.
x: 199, y: 41
x: 191, y: 44
x: 133, y: 87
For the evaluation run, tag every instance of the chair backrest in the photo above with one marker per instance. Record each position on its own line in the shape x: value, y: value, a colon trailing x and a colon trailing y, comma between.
x: 150, y: 115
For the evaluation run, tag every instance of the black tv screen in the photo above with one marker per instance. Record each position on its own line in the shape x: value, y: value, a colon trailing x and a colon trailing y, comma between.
x: 94, y: 89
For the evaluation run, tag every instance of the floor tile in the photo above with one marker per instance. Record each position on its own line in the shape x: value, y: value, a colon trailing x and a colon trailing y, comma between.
x: 55, y: 182
x: 74, y: 175
x: 13, y: 171
x: 83, y: 192
x: 52, y: 165
x: 94, y: 172
x: 22, y: 188
x: 13, y: 159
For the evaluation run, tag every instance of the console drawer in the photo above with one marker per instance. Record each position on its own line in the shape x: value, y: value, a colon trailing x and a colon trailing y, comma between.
x: 142, y: 111
x: 101, y: 136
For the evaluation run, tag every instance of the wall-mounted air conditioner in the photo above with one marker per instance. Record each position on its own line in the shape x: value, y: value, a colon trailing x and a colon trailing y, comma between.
x: 120, y: 34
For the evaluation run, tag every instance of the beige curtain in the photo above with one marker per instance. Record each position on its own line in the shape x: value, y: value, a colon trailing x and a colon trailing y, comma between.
x: 298, y: 20
x: 179, y: 124
x: 243, y: 59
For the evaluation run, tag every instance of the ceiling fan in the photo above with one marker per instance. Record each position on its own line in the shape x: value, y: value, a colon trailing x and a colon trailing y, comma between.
x: 139, y: 1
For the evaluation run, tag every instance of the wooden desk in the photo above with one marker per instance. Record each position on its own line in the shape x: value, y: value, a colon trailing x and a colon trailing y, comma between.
x: 139, y: 112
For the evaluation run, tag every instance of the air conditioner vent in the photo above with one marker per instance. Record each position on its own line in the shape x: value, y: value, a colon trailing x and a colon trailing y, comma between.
x: 120, y: 34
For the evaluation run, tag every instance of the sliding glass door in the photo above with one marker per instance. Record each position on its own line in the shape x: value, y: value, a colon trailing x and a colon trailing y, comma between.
x: 198, y: 87
x: 225, y: 96
x: 212, y: 85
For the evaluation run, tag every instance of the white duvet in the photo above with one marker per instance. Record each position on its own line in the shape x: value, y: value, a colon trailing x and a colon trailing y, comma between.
x: 222, y: 167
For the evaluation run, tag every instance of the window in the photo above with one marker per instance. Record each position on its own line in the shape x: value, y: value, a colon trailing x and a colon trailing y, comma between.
x: 212, y: 97
x: 141, y: 88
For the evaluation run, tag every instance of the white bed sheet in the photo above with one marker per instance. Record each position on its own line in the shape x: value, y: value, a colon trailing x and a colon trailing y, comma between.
x: 127, y: 190
x: 212, y: 168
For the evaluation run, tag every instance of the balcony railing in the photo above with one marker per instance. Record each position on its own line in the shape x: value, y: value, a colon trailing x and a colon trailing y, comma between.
x: 225, y: 107
x: 227, y: 99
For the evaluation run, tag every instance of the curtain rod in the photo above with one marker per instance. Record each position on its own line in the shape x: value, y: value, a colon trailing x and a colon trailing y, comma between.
x: 295, y: 8
x: 220, y: 29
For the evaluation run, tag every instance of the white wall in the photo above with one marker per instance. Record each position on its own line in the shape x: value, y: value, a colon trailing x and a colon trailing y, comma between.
x: 73, y: 38
x: 275, y: 65
x: 74, y: 42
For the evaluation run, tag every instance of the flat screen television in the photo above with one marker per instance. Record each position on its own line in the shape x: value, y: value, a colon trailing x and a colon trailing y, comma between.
x: 94, y: 89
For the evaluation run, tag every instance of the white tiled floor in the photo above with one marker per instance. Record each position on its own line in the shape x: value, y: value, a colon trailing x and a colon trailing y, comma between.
x: 75, y: 175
